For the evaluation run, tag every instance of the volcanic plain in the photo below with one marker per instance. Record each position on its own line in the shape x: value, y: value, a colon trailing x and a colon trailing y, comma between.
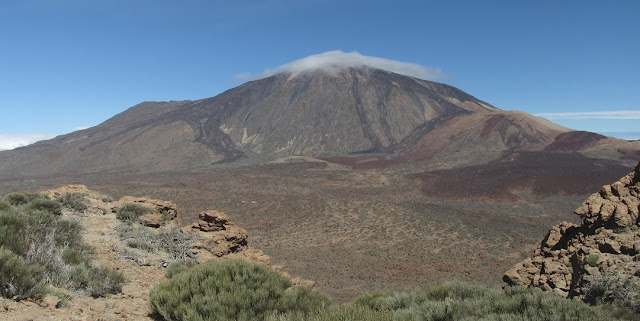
x: 358, y: 230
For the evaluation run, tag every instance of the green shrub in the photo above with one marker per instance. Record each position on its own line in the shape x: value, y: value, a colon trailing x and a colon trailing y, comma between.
x: 68, y: 233
x: 621, y: 290
x: 74, y: 201
x: 12, y: 228
x: 62, y: 296
x: 305, y: 300
x: 227, y: 290
x: 22, y: 198
x: 5, y: 206
x: 345, y: 312
x: 20, y: 279
x: 40, y: 204
x: 70, y: 256
x: 592, y: 259
x: 179, y: 266
x: 461, y: 301
x: 131, y: 212
x: 39, y: 238
x: 97, y: 281
x: 39, y: 223
x: 17, y: 199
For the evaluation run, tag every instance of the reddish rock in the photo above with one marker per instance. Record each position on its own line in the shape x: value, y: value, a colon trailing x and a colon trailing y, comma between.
x: 606, y: 242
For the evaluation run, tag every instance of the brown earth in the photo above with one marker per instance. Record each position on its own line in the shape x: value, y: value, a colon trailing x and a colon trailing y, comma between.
x: 354, y: 231
x: 142, y: 269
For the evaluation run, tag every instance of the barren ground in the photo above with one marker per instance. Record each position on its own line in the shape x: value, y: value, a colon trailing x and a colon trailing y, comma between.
x: 355, y: 231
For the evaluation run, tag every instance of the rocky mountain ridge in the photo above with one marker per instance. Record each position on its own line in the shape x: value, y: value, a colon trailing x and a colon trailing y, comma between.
x: 572, y: 258
x: 356, y: 112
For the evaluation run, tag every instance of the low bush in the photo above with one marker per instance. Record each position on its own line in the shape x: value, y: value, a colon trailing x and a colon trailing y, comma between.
x: 20, y: 279
x: 229, y: 290
x: 592, y: 259
x: 621, y: 290
x: 175, y: 242
x: 97, y: 281
x: 169, y: 239
x: 179, y: 266
x: 21, y: 198
x: 5, y: 206
x: 345, y: 312
x: 39, y: 247
x: 461, y: 301
x: 131, y: 212
x: 17, y: 199
x: 73, y: 201
x: 12, y: 228
x: 41, y: 204
x: 70, y: 256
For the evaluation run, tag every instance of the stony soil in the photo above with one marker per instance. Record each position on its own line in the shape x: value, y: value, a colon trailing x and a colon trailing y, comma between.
x: 607, y: 243
x: 142, y: 269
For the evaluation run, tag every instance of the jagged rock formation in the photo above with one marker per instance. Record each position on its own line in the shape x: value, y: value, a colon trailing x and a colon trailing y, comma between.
x: 220, y: 235
x: 607, y: 243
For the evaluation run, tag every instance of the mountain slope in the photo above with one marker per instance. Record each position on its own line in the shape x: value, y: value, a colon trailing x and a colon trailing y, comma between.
x: 359, y: 111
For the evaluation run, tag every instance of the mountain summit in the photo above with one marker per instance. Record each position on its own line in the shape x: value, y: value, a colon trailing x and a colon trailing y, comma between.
x: 355, y: 109
x: 336, y: 61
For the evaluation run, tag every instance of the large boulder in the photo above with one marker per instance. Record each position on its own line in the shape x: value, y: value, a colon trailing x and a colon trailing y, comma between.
x: 221, y: 236
x: 571, y: 257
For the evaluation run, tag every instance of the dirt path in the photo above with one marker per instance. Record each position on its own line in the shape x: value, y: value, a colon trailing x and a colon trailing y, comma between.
x: 141, y: 269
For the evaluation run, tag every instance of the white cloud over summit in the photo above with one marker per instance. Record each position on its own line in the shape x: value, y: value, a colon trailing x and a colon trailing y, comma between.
x: 334, y: 61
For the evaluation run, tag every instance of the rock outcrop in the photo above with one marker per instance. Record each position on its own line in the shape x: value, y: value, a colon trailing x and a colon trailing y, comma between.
x: 220, y: 236
x: 163, y: 211
x: 607, y: 243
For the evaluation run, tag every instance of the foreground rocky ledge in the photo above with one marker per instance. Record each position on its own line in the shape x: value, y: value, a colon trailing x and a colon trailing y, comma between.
x: 607, y: 243
x: 217, y: 238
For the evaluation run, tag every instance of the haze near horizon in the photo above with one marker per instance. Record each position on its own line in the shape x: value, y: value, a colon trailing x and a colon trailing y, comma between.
x: 75, y: 64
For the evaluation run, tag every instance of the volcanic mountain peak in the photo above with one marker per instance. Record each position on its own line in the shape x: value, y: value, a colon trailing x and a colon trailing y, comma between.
x: 357, y: 109
x: 335, y: 61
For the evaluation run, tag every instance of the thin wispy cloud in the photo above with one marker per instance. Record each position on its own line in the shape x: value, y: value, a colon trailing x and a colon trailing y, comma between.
x: 613, y: 114
x: 334, y: 61
x: 11, y: 141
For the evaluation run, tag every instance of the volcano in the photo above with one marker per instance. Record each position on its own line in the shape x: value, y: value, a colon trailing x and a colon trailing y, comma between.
x: 352, y: 114
x: 359, y: 177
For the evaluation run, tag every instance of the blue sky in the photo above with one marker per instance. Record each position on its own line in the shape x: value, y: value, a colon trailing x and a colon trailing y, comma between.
x: 68, y: 64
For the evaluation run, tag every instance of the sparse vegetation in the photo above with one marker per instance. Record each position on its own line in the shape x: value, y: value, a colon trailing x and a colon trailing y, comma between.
x: 97, y: 281
x: 42, y: 204
x: 39, y: 248
x: 19, y: 198
x: 621, y: 290
x: 168, y: 239
x: 20, y: 279
x: 179, y: 266
x: 4, y: 206
x: 70, y: 256
x: 461, y: 301
x: 592, y: 259
x: 130, y: 212
x: 73, y: 201
x: 229, y: 290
